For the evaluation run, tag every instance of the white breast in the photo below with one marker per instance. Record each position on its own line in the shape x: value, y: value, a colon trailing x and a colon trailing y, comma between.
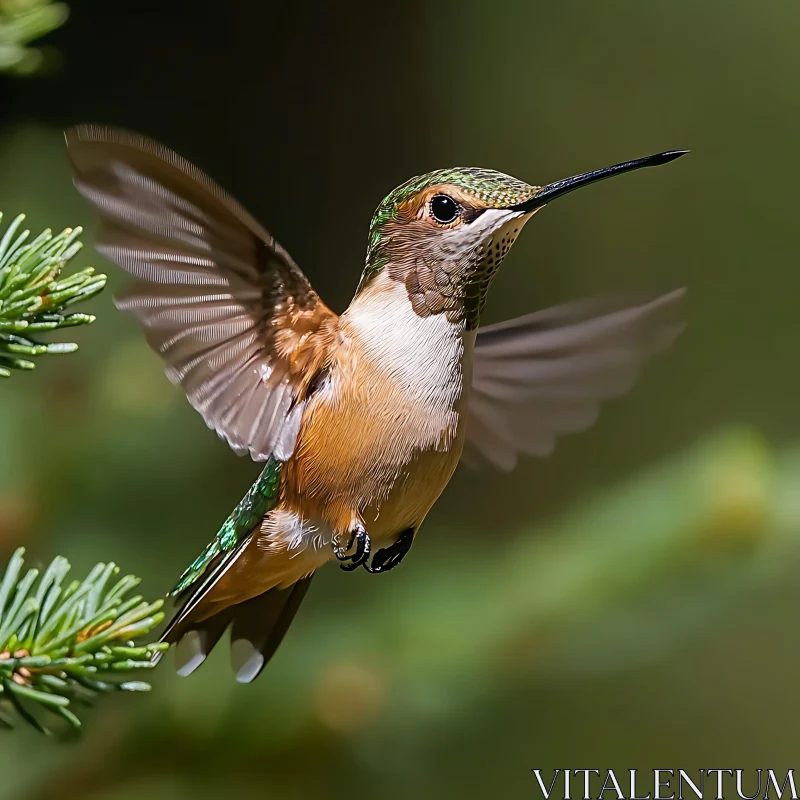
x: 429, y: 357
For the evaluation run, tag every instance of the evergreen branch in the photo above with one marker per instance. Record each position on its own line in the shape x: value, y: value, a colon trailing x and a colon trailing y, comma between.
x: 62, y: 641
x: 21, y: 22
x: 34, y: 297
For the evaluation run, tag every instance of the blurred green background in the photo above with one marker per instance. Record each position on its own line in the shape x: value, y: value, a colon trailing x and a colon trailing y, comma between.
x: 629, y: 602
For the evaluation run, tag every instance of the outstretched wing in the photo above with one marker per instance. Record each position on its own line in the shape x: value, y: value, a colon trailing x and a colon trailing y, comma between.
x: 235, y: 320
x: 543, y: 375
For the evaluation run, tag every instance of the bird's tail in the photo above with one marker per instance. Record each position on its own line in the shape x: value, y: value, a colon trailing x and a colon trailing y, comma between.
x: 257, y: 625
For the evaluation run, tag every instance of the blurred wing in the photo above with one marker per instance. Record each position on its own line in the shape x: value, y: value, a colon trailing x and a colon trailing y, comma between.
x: 543, y: 375
x: 235, y: 320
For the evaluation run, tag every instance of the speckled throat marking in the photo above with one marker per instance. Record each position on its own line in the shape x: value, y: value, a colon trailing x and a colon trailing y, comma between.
x: 454, y: 286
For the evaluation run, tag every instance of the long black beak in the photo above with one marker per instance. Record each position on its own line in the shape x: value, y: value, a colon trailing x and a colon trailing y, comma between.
x: 554, y: 190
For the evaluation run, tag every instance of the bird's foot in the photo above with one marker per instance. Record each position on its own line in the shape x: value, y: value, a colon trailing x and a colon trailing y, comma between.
x: 389, y: 557
x: 358, y: 538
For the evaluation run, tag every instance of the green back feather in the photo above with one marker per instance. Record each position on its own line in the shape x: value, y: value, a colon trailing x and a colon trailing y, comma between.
x: 260, y: 498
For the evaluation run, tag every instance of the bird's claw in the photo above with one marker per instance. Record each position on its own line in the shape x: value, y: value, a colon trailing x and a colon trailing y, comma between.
x: 389, y: 557
x: 358, y: 537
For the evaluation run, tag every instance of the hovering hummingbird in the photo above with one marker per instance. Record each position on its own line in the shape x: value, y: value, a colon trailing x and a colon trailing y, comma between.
x: 361, y: 419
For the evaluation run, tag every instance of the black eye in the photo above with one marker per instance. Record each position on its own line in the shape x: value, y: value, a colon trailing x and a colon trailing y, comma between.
x: 444, y: 209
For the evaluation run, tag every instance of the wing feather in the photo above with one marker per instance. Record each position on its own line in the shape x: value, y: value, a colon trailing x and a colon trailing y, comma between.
x: 543, y: 375
x: 214, y: 292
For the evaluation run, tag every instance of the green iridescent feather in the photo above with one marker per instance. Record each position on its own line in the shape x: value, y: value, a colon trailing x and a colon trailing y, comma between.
x: 494, y: 189
x: 260, y: 498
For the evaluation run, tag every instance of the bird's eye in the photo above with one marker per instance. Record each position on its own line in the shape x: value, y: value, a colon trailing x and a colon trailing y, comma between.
x: 444, y: 209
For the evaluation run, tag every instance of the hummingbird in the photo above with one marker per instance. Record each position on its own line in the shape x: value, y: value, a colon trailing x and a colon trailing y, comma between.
x: 360, y: 419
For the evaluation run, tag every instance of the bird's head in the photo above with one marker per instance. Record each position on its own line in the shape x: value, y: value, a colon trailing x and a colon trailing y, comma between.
x: 444, y: 234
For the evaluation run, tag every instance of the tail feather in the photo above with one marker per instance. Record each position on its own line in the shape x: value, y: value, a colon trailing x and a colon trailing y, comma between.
x: 195, y: 645
x: 187, y: 619
x: 259, y: 626
x: 205, y: 588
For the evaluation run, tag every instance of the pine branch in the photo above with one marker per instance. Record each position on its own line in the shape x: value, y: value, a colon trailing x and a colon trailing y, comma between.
x: 64, y: 641
x: 33, y: 296
x: 21, y: 22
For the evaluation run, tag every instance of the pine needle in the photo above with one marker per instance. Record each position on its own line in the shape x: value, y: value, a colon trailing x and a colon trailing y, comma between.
x: 35, y: 297
x: 62, y: 641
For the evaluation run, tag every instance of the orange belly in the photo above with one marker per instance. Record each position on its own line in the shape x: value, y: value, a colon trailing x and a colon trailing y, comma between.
x: 372, y: 457
x: 378, y: 477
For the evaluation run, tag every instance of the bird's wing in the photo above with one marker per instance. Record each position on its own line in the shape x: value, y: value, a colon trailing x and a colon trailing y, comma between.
x: 237, y: 323
x: 543, y: 375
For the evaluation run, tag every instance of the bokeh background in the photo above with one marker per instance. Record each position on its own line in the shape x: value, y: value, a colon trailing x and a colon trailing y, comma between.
x: 630, y: 601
